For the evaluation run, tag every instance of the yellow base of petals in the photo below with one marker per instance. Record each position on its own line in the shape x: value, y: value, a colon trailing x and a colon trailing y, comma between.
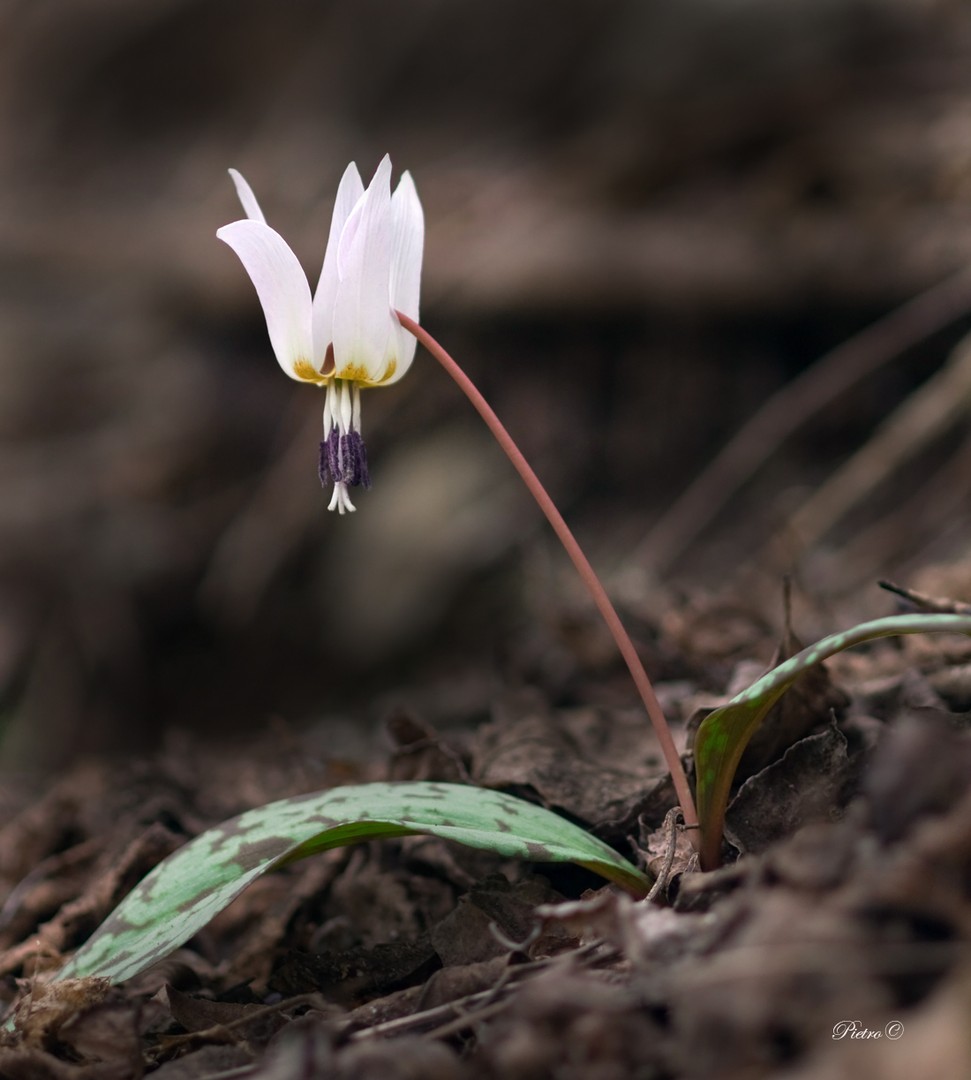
x: 357, y: 373
x: 306, y: 372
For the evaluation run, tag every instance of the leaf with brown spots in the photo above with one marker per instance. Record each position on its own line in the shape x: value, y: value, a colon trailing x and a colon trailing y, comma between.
x: 725, y: 733
x: 196, y: 882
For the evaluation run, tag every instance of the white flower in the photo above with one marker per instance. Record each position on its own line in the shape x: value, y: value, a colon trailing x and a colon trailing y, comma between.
x: 347, y: 336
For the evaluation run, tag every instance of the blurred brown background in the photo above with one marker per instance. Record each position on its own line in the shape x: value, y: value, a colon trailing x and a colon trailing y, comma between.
x: 644, y: 218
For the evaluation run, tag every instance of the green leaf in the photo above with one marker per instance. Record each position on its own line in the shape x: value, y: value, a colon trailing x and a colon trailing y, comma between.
x: 724, y: 733
x: 196, y: 882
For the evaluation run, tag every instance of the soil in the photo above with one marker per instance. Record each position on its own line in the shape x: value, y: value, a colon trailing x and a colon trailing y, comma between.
x: 833, y: 940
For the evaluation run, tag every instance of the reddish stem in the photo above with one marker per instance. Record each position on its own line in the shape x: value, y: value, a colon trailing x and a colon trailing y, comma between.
x: 580, y: 561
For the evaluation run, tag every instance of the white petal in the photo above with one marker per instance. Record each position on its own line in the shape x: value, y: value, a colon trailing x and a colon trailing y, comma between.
x: 363, y: 323
x: 250, y: 206
x: 408, y: 225
x: 282, y: 288
x: 349, y: 192
x: 400, y: 353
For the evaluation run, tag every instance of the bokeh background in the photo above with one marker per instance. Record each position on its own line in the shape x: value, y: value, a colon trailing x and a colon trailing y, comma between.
x: 644, y: 219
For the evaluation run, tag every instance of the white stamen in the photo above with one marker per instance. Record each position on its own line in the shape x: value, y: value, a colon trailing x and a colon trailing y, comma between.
x: 346, y: 408
x: 328, y: 408
x: 356, y: 399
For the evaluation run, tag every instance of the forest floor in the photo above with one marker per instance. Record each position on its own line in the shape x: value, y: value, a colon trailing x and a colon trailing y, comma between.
x: 833, y: 942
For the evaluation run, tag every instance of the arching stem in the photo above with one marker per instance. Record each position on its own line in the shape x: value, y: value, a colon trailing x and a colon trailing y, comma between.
x: 584, y: 569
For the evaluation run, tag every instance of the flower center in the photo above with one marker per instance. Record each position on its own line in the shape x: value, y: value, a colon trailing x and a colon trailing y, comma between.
x: 343, y: 458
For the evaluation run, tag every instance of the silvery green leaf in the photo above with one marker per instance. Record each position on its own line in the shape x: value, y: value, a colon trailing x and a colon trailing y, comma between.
x: 196, y: 882
x: 724, y: 733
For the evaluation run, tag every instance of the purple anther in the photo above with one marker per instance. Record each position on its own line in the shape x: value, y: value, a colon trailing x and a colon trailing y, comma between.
x: 333, y: 455
x: 323, y: 467
x: 353, y: 460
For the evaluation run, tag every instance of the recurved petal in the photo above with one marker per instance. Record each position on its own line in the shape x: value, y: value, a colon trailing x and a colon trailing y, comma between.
x: 284, y: 293
x: 349, y: 193
x: 250, y: 206
x: 408, y: 232
x: 363, y: 322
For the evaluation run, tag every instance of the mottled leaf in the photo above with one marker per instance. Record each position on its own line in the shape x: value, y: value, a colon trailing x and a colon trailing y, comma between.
x: 192, y: 885
x: 724, y: 733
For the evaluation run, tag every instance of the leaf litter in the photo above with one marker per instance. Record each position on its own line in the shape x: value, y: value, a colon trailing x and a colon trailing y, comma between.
x: 845, y: 896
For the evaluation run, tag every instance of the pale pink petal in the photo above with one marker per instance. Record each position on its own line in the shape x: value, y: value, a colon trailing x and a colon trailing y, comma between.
x: 251, y: 208
x: 282, y: 288
x: 349, y: 192
x: 363, y: 323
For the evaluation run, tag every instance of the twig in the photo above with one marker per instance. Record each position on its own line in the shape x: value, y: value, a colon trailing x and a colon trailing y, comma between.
x: 790, y: 408
x: 512, y: 977
x: 225, y: 1028
x: 671, y: 821
x: 927, y: 413
x: 935, y: 604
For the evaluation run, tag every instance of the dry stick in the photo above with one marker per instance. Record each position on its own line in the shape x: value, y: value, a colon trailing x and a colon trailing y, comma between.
x: 791, y: 407
x: 930, y: 411
x: 940, y: 508
x: 580, y: 561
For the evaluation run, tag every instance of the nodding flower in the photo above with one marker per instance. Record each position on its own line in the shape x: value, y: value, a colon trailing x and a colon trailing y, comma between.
x: 347, y: 335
